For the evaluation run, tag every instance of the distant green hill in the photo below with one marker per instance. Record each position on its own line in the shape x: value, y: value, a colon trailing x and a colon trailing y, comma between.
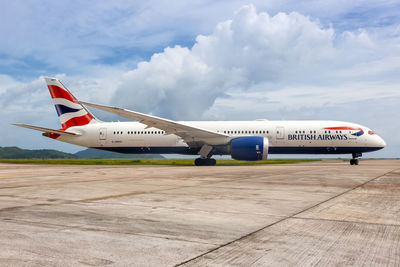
x: 18, y: 153
x: 13, y: 152
x: 91, y: 153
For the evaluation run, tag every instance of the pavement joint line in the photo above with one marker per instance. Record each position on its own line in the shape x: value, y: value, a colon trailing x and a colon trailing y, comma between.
x: 67, y: 227
x: 112, y: 196
x: 202, y: 210
x: 284, y: 219
x: 54, y: 183
x: 85, y: 181
x: 346, y: 221
x: 110, y: 179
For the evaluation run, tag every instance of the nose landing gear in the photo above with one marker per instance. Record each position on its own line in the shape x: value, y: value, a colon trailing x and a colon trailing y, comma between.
x: 354, y: 160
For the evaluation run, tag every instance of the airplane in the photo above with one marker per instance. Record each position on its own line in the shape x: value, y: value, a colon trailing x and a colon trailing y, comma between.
x: 242, y: 140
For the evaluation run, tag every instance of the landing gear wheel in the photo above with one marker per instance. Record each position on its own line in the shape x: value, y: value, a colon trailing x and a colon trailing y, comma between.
x: 354, y: 162
x: 205, y: 162
x: 212, y: 162
x: 355, y: 155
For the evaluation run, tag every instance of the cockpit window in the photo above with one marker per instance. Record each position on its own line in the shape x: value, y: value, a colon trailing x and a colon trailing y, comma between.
x: 371, y: 132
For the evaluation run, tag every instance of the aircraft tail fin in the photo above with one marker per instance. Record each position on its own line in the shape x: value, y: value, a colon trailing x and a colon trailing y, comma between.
x: 70, y: 111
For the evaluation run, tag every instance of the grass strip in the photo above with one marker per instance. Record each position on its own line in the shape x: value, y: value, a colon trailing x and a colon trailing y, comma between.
x: 184, y: 162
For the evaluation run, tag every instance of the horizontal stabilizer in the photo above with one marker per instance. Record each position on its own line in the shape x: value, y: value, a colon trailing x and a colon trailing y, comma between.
x: 45, y: 130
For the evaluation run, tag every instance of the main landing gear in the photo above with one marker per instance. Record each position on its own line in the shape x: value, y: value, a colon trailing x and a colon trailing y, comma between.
x: 205, y: 162
x: 205, y: 157
x: 354, y: 160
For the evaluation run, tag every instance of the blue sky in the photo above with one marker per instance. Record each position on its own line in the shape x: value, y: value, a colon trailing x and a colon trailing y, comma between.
x: 208, y: 60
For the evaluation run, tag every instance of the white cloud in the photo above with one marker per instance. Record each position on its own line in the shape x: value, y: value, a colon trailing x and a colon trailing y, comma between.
x: 78, y: 33
x: 279, y: 56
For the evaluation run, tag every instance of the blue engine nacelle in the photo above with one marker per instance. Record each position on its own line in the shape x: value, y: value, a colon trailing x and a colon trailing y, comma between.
x: 249, y: 148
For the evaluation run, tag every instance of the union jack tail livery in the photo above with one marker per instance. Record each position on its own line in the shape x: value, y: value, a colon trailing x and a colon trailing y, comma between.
x: 70, y: 112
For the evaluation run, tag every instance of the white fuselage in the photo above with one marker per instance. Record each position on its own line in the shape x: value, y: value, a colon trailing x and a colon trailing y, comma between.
x: 285, y: 137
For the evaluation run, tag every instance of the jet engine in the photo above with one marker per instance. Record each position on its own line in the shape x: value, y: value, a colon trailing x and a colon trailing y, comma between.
x: 249, y: 148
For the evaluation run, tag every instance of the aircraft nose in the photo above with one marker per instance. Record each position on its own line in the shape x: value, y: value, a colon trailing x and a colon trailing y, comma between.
x: 380, y: 142
x: 383, y: 143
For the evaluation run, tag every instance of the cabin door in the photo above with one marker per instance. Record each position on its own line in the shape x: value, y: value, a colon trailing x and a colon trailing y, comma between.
x: 102, y: 136
x: 280, y: 132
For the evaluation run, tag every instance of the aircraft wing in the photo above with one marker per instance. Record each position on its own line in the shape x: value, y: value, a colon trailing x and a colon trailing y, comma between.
x: 45, y: 130
x: 193, y: 136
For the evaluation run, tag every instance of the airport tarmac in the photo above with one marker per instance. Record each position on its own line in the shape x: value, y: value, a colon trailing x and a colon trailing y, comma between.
x: 319, y: 213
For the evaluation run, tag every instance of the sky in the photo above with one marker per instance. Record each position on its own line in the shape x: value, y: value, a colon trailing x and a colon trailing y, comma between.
x: 202, y: 60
